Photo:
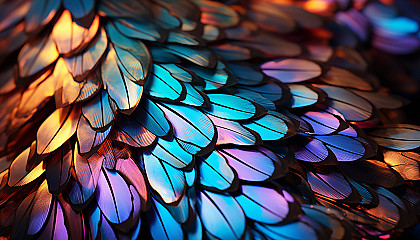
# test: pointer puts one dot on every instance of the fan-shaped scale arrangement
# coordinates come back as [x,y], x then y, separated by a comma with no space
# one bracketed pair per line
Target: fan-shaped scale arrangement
[177,119]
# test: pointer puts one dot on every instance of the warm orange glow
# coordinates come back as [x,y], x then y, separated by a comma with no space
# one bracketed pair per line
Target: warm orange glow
[36,94]
[281,2]
[229,17]
[321,33]
[70,36]
[36,55]
[316,6]
[18,173]
[57,129]
[67,90]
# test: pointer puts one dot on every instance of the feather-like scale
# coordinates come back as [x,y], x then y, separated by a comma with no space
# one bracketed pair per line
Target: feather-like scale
[162,225]
[113,196]
[263,205]
[221,215]
[231,132]
[57,171]
[57,129]
[397,136]
[215,172]
[253,165]
[40,13]
[168,181]
[120,88]
[194,139]
[291,70]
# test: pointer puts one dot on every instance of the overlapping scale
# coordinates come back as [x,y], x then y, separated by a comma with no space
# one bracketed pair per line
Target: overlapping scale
[254,165]
[39,211]
[343,147]
[67,89]
[330,218]
[338,147]
[181,211]
[82,64]
[215,172]
[161,223]
[397,136]
[302,96]
[36,94]
[197,55]
[70,37]
[382,100]
[184,119]
[194,97]
[168,181]
[271,17]
[88,138]
[190,177]
[231,132]
[214,78]
[91,86]
[353,107]
[80,8]
[57,129]
[323,123]
[164,18]
[375,172]
[251,126]
[138,29]
[113,196]
[116,78]
[386,214]
[221,215]
[130,131]
[263,205]
[19,175]
[246,73]
[106,229]
[133,55]
[218,14]
[344,78]
[58,168]
[272,91]
[87,171]
[56,228]
[40,14]
[272,126]
[332,185]
[232,108]
[36,55]
[170,152]
[256,97]
[294,230]
[232,52]
[163,86]
[291,70]
[405,163]
[195,229]
[98,111]
[129,169]
[152,117]
[189,18]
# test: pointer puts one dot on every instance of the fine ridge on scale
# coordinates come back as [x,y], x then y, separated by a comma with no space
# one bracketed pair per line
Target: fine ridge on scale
[199,119]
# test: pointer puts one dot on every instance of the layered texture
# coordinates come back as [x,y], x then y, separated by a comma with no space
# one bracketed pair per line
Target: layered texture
[179,119]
